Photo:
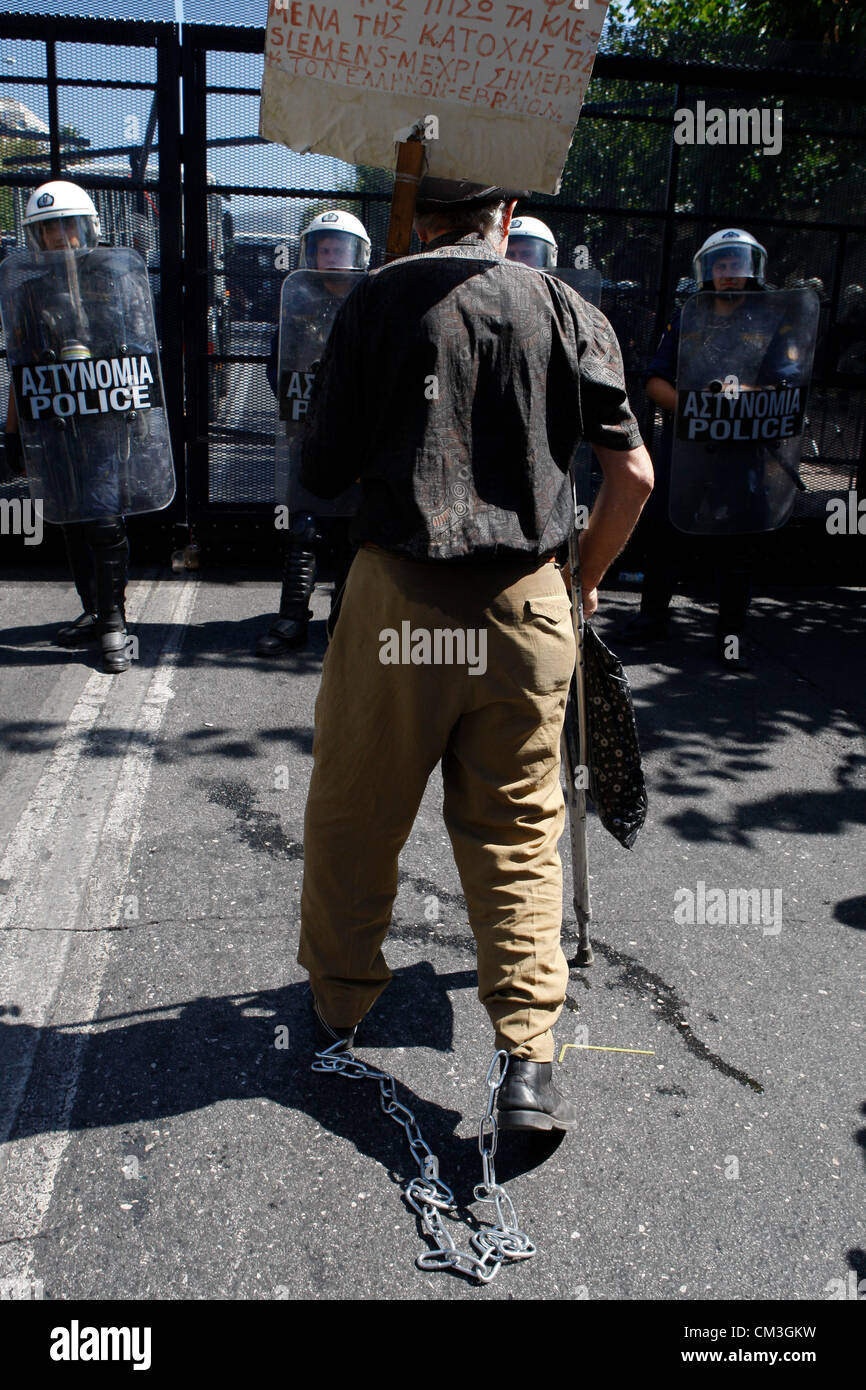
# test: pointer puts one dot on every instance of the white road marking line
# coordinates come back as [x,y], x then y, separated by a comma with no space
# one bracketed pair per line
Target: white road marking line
[20,863]
[29,1165]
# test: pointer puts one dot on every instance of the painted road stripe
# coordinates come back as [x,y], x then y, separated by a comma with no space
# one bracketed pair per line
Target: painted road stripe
[56,966]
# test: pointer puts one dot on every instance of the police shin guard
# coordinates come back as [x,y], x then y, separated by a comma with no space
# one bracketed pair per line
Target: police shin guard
[84,630]
[290,630]
[111,553]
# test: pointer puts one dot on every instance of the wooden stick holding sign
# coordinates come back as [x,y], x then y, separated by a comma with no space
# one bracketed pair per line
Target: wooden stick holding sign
[410,167]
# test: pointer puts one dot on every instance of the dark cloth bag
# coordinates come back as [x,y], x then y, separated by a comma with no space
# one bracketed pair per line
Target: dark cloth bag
[616,781]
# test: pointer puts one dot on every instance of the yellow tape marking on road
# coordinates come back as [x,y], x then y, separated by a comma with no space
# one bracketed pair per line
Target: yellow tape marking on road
[587,1047]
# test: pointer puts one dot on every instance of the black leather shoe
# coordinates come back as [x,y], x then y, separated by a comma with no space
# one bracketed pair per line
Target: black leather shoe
[80,633]
[326,1036]
[286,635]
[115,655]
[529,1100]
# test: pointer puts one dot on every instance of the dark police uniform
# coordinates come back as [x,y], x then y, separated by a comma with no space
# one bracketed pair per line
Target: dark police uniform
[731,556]
[299,565]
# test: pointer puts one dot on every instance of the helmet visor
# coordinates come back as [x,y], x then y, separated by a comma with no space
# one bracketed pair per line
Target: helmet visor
[531,250]
[722,264]
[327,250]
[74,233]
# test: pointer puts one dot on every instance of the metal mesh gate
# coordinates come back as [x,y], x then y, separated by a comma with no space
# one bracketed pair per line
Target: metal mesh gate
[100,102]
[268,194]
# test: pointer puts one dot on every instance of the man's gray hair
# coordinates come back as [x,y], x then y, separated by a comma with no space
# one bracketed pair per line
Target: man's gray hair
[485,218]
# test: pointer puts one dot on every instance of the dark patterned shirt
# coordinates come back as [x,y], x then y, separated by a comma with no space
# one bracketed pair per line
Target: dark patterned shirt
[457,385]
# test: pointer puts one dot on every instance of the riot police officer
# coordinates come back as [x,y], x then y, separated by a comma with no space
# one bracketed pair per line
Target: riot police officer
[87,391]
[335,241]
[720,494]
[531,242]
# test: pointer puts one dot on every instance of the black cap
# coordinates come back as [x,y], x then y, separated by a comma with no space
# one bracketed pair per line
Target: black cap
[437,195]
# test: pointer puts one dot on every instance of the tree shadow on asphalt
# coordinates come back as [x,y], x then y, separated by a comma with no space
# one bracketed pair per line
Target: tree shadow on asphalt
[851,912]
[106,740]
[109,741]
[230,644]
[144,1067]
[704,729]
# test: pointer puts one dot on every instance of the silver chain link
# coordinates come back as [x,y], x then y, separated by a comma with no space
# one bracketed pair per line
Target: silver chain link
[428,1195]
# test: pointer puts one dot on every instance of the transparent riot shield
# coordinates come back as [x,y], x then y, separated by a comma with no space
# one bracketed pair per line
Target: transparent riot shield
[308,306]
[586,282]
[743,374]
[84,359]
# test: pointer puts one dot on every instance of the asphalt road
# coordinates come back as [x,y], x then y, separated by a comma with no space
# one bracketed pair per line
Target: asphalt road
[156,1141]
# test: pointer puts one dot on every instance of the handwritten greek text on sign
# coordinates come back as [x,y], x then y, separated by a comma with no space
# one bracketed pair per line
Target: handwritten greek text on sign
[529,60]
[471,56]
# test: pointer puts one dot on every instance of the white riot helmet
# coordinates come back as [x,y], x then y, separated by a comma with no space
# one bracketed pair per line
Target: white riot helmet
[65,205]
[342,239]
[747,256]
[531,242]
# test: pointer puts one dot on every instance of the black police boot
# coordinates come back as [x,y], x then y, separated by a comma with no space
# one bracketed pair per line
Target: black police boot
[115,651]
[657,590]
[84,630]
[326,1036]
[80,633]
[290,630]
[285,635]
[528,1099]
[111,554]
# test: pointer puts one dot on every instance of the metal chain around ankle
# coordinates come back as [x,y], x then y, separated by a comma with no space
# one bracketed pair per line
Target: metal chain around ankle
[428,1195]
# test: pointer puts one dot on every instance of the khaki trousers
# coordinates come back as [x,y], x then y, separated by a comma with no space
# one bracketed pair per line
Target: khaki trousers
[380,730]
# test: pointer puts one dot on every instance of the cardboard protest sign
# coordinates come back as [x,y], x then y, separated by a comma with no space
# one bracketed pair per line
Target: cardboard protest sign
[499,86]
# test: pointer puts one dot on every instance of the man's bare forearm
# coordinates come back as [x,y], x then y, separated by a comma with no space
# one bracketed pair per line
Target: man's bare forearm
[628,482]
